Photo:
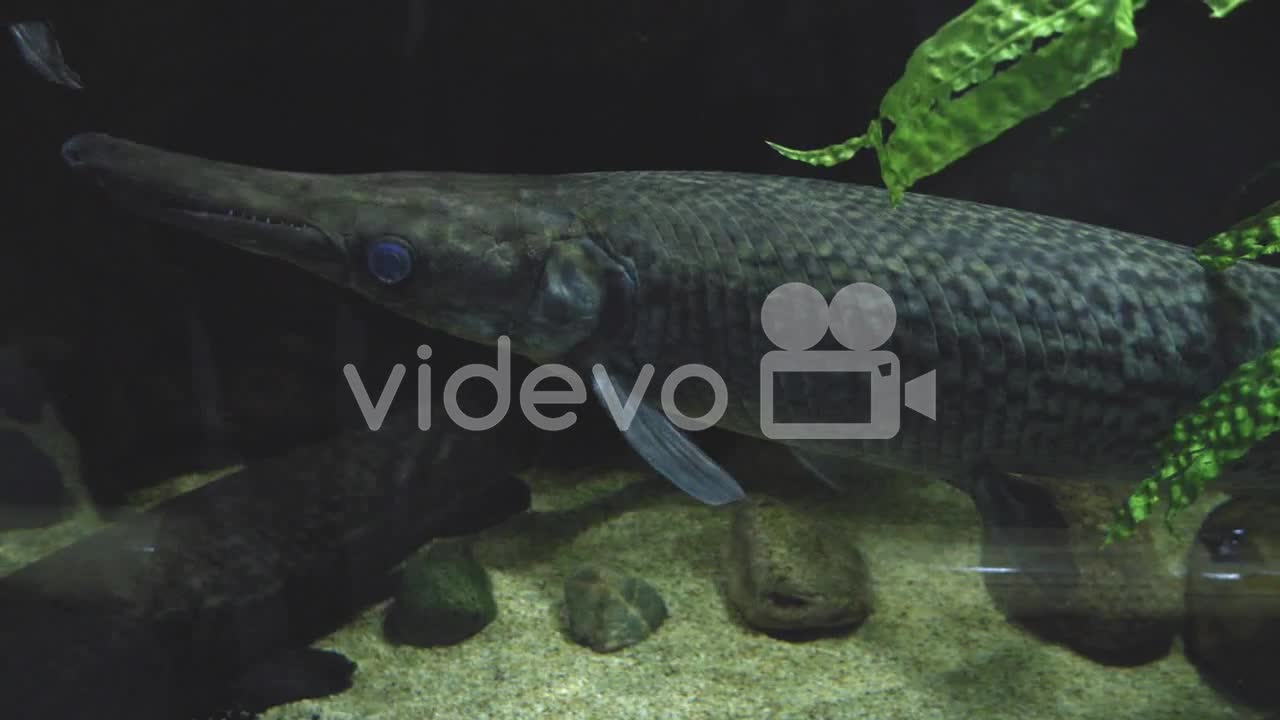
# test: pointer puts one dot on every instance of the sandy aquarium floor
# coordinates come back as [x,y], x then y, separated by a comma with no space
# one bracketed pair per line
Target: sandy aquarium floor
[935,646]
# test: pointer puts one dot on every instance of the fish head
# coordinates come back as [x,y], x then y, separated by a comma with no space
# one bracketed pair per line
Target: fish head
[481,257]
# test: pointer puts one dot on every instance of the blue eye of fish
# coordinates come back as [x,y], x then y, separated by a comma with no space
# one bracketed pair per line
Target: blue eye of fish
[389,260]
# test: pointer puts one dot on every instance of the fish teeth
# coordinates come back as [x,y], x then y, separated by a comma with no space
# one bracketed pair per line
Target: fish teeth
[264,219]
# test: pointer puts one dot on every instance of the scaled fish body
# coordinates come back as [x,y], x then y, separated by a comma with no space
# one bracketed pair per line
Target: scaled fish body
[1060,348]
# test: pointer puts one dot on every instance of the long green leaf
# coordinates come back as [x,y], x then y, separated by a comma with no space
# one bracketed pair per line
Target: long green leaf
[1248,240]
[951,98]
[1222,7]
[1227,423]
[1244,410]
[990,68]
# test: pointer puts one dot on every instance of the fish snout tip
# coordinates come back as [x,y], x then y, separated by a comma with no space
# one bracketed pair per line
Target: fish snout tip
[77,149]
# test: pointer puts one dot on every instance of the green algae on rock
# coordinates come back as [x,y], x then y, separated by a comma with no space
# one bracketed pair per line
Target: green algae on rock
[786,571]
[607,610]
[445,597]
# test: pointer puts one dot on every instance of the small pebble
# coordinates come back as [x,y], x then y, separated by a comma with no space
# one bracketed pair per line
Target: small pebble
[1233,600]
[787,571]
[445,597]
[606,610]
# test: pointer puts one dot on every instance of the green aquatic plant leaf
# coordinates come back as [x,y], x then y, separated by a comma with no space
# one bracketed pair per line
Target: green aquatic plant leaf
[985,71]
[838,153]
[1222,7]
[1226,424]
[953,96]
[1223,427]
[1249,239]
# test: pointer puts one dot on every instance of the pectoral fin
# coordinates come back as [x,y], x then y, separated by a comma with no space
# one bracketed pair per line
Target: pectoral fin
[667,450]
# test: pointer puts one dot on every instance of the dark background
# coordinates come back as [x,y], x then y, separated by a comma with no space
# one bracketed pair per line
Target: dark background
[1180,144]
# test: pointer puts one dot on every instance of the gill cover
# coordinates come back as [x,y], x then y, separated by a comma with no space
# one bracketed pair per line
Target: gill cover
[590,292]
[583,294]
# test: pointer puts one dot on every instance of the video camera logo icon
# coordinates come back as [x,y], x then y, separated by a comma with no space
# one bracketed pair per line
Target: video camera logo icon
[861,317]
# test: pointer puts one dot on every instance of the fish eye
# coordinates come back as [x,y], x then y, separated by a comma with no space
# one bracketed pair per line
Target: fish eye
[1225,547]
[389,260]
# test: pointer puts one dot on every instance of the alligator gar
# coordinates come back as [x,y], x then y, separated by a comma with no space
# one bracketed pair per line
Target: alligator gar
[169,614]
[1059,349]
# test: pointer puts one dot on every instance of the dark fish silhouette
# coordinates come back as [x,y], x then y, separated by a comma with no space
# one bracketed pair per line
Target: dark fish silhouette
[167,614]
